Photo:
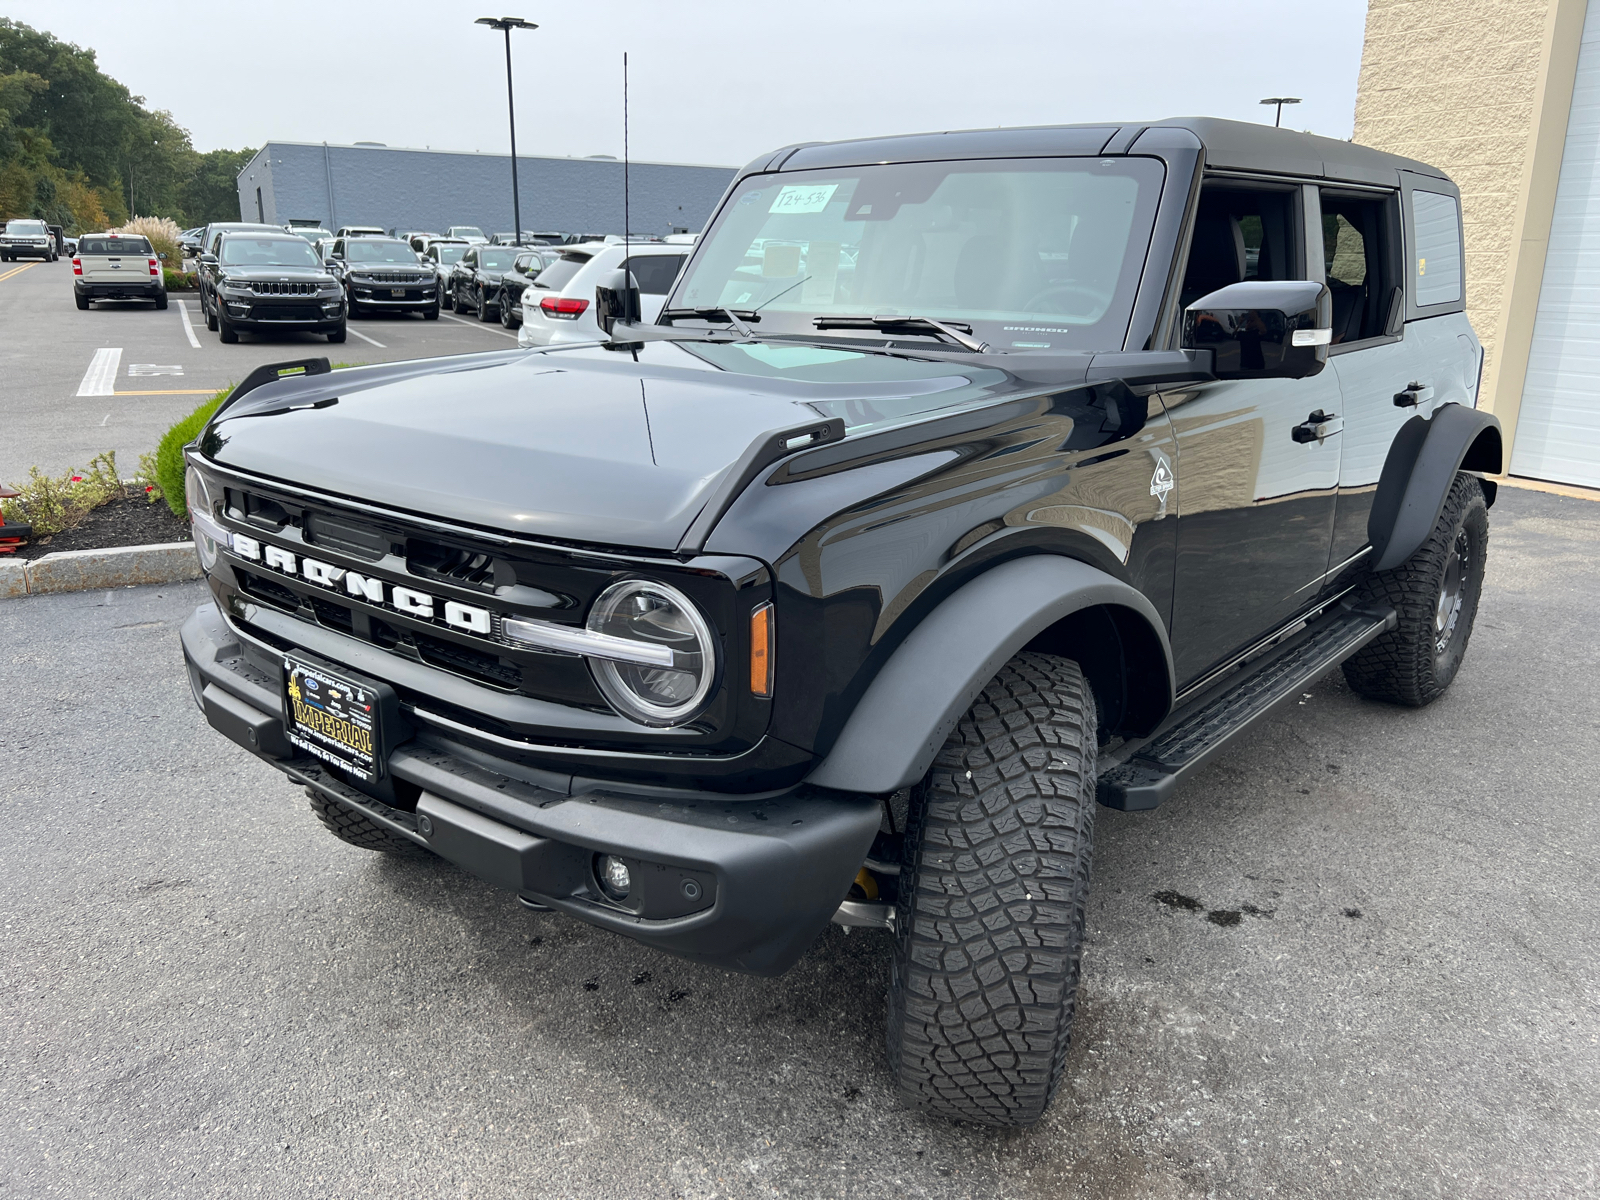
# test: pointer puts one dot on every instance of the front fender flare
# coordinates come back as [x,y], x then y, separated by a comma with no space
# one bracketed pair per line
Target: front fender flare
[1422,464]
[933,677]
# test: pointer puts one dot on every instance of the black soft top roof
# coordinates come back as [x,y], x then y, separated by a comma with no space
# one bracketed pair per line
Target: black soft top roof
[1229,145]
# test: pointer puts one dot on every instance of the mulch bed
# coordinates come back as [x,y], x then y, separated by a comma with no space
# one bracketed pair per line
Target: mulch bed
[133,521]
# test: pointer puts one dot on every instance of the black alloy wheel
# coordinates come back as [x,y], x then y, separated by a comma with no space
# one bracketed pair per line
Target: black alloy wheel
[211,316]
[508,319]
[483,305]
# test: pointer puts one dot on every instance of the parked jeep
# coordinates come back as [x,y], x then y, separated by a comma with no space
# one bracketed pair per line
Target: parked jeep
[964,480]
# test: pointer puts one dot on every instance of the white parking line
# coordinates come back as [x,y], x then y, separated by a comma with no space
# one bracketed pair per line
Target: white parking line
[188,329]
[365,338]
[101,377]
[479,325]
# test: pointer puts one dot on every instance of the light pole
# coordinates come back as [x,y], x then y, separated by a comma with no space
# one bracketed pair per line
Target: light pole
[507,24]
[1280,101]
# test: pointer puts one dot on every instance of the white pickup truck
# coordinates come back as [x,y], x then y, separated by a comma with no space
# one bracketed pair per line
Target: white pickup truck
[110,266]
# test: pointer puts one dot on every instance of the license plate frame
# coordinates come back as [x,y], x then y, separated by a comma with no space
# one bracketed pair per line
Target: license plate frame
[338,716]
[397,293]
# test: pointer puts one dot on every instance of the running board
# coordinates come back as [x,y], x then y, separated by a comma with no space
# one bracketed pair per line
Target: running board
[1151,773]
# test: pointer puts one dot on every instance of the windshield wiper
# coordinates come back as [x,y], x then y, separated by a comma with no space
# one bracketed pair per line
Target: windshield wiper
[951,331]
[716,312]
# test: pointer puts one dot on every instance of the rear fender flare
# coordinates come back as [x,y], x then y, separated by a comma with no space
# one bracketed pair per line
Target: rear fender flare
[909,709]
[1421,466]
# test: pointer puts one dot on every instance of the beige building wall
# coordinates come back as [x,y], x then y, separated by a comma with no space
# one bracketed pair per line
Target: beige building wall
[1481,88]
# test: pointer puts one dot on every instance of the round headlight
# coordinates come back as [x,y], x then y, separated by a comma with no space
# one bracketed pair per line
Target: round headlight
[197,495]
[644,611]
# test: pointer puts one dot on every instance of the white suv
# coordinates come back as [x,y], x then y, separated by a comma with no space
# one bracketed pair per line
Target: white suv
[25,236]
[558,306]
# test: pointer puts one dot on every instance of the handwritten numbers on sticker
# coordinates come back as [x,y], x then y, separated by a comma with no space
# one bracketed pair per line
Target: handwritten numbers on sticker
[798,198]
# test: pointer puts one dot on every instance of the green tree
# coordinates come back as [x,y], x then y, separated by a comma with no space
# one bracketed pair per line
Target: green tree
[212,190]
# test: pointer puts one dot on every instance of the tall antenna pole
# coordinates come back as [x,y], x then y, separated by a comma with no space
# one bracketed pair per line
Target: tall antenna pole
[627,225]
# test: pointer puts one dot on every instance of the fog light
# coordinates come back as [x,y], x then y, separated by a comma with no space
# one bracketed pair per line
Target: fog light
[614,878]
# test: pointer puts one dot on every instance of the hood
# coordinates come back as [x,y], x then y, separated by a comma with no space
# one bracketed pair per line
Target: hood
[588,446]
[256,274]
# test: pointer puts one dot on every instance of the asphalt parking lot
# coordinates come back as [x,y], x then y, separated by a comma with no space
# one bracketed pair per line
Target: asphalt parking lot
[165,364]
[1360,957]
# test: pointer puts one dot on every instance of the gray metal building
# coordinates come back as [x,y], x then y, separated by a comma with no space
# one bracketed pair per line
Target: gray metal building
[432,189]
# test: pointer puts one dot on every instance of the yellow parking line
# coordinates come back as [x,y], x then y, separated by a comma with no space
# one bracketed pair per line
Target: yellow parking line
[173,392]
[17,271]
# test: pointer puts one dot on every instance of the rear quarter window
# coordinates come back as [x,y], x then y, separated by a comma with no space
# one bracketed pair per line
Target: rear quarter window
[558,274]
[1436,248]
[655,272]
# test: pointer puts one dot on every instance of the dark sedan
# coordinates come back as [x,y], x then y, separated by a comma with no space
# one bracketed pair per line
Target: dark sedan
[508,300]
[274,282]
[383,274]
[475,280]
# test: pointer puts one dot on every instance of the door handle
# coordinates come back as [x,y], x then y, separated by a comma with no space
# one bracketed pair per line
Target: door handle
[1318,427]
[1413,395]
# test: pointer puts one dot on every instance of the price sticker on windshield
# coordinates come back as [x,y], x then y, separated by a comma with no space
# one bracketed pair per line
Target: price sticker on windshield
[803,198]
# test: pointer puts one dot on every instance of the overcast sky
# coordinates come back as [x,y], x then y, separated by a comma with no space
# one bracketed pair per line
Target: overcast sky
[710,82]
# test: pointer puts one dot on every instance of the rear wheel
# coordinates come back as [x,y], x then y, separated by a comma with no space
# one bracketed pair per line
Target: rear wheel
[508,319]
[161,301]
[990,915]
[360,830]
[1435,592]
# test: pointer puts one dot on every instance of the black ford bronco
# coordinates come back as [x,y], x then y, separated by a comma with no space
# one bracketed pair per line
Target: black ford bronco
[965,480]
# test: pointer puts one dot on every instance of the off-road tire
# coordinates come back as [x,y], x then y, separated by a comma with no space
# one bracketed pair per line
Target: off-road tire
[993,887]
[1407,665]
[360,830]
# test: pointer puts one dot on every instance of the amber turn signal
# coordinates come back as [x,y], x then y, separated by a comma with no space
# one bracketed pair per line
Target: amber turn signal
[761,651]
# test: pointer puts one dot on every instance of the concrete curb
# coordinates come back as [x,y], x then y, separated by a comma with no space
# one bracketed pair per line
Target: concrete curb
[87,570]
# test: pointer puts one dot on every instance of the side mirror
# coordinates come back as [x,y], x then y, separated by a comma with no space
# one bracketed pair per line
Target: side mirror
[1263,329]
[617,300]
[210,260]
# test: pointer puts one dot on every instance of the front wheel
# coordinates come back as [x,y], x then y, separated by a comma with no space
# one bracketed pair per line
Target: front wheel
[1435,592]
[483,307]
[447,299]
[431,314]
[225,330]
[337,335]
[993,888]
[211,317]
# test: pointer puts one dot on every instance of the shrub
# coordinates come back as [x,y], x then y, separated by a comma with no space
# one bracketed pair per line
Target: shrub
[161,473]
[51,505]
[178,280]
[163,233]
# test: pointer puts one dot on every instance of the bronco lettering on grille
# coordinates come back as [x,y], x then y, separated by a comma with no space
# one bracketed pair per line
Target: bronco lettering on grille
[466,617]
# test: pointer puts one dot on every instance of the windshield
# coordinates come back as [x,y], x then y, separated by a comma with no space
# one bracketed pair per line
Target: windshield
[1031,253]
[268,252]
[496,260]
[30,227]
[465,231]
[450,254]
[372,250]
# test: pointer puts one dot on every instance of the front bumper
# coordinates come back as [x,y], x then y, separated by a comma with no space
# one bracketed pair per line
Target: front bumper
[26,250]
[742,884]
[303,313]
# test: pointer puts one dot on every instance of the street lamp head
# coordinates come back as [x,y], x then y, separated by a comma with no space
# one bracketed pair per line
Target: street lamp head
[1281,100]
[506,23]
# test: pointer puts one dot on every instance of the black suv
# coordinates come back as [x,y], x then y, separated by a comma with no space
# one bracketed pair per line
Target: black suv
[475,279]
[382,274]
[272,282]
[966,480]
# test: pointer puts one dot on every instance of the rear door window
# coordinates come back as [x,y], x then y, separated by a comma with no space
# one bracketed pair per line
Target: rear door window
[1436,248]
